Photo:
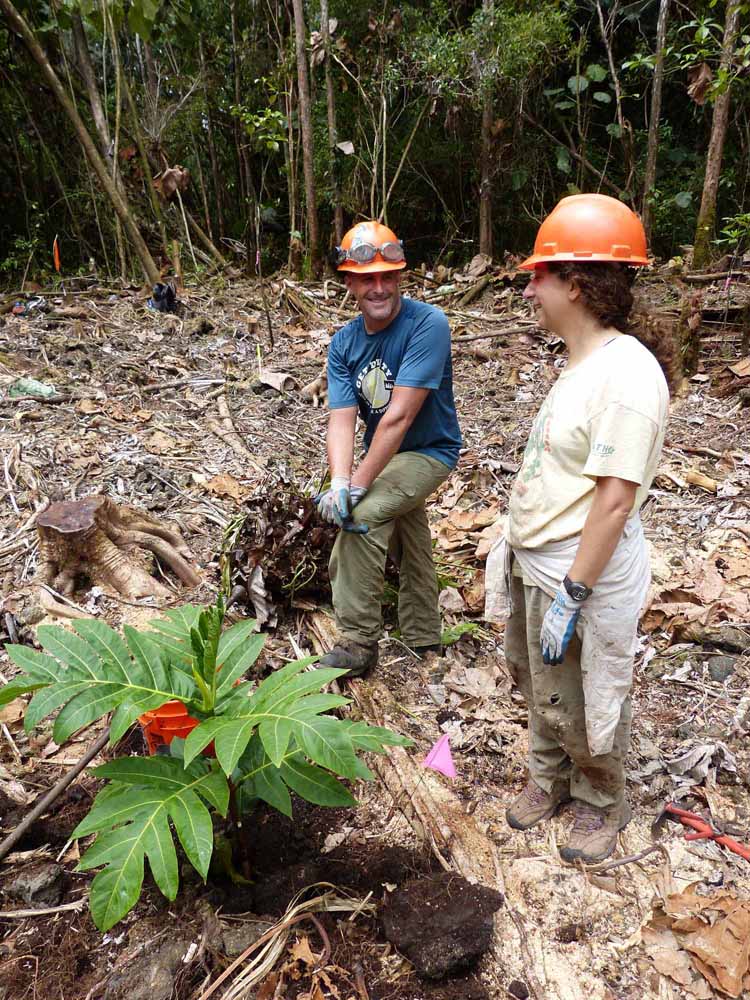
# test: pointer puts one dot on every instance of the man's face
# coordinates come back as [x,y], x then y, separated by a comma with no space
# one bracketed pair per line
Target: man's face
[377,296]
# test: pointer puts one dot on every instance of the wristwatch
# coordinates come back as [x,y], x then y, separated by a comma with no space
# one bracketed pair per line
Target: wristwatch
[578,591]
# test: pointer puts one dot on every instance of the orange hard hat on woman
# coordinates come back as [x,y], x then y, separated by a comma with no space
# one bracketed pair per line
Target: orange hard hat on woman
[369,247]
[589,227]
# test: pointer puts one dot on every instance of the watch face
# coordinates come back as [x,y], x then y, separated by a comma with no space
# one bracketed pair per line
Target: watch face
[578,591]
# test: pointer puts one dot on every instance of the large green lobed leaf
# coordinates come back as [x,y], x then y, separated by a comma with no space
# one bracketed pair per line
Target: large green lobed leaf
[131,818]
[92,671]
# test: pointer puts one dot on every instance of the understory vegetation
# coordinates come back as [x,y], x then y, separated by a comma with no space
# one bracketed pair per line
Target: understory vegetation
[460,124]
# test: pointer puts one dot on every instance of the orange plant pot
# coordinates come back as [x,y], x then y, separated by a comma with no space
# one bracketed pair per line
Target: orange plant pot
[161,725]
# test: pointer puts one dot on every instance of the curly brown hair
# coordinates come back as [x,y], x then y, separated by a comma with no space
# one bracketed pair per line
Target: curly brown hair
[607,292]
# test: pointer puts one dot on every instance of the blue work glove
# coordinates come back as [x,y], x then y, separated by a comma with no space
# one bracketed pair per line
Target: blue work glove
[336,504]
[558,626]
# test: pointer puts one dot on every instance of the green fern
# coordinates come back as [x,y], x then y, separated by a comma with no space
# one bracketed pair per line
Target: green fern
[271,739]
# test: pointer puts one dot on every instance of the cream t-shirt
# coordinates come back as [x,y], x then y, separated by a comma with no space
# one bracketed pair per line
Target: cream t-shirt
[605,417]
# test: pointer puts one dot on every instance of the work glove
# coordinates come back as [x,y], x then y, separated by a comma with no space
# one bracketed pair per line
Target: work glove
[558,626]
[335,504]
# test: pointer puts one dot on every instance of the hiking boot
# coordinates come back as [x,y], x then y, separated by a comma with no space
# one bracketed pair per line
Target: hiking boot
[593,836]
[355,657]
[534,805]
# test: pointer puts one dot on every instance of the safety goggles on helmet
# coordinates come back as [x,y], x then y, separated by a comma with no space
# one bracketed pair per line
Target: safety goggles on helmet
[363,253]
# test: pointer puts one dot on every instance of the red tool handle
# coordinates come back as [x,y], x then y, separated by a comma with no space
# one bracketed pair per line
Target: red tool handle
[704,830]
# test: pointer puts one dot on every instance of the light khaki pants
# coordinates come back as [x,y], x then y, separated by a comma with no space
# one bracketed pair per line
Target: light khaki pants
[393,510]
[558,747]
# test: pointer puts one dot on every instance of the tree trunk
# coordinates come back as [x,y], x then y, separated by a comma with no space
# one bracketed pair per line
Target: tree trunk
[291,159]
[608,30]
[202,185]
[205,240]
[485,182]
[704,230]
[89,78]
[338,211]
[145,166]
[19,25]
[152,77]
[303,84]
[649,178]
[96,539]
[485,167]
[110,27]
[216,176]
[246,183]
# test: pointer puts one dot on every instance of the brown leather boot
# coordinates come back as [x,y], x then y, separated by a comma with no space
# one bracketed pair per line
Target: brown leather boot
[534,805]
[593,836]
[355,657]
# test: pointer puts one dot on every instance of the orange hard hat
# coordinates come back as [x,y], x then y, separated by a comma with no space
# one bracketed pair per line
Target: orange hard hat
[369,247]
[589,227]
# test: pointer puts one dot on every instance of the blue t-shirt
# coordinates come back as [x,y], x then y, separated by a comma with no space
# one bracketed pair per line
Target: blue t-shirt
[414,350]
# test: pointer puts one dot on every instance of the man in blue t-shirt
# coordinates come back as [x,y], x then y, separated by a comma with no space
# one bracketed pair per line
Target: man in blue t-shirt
[392,367]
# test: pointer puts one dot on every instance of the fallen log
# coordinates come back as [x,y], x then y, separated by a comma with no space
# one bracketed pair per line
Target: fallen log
[227,432]
[475,291]
[509,331]
[45,801]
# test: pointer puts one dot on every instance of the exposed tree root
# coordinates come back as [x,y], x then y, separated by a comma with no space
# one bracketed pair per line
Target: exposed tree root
[97,540]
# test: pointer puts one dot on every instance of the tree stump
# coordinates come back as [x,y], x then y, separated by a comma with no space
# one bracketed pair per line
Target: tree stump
[95,540]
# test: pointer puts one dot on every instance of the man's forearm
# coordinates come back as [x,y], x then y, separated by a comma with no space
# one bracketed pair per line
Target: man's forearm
[340,442]
[602,532]
[385,443]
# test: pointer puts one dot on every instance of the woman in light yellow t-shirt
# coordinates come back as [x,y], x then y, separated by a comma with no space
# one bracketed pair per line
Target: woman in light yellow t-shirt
[579,570]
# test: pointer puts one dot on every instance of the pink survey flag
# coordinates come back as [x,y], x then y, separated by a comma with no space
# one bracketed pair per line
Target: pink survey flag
[439,758]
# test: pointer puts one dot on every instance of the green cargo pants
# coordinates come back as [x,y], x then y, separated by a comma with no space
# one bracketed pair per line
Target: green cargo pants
[558,747]
[393,510]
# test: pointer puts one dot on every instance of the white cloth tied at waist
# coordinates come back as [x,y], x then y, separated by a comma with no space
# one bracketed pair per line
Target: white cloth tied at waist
[607,625]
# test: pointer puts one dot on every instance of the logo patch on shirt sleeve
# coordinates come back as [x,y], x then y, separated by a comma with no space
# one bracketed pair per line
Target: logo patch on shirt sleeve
[602,450]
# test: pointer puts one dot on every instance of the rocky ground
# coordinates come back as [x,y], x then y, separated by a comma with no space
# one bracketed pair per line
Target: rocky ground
[175,415]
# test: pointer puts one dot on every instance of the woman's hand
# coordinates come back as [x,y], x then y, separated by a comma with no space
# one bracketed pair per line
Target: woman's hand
[558,626]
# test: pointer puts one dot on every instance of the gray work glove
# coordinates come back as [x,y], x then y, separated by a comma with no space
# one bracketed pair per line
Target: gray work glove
[335,504]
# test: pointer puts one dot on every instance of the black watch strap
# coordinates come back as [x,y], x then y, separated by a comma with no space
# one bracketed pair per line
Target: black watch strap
[578,591]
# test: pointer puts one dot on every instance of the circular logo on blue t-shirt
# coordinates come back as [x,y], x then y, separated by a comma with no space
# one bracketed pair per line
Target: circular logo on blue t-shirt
[375,385]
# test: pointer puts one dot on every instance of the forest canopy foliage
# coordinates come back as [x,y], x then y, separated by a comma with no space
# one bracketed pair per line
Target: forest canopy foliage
[461,123]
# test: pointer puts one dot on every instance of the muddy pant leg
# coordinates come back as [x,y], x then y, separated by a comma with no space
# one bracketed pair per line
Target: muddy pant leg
[418,613]
[559,700]
[548,762]
[601,780]
[357,571]
[357,565]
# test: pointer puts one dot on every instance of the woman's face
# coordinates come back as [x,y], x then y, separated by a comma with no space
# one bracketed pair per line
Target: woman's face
[550,297]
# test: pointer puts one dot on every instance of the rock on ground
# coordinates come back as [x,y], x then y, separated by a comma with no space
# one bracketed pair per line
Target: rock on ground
[151,975]
[39,884]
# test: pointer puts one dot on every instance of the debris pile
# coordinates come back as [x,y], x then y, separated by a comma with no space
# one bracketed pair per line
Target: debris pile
[277,552]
